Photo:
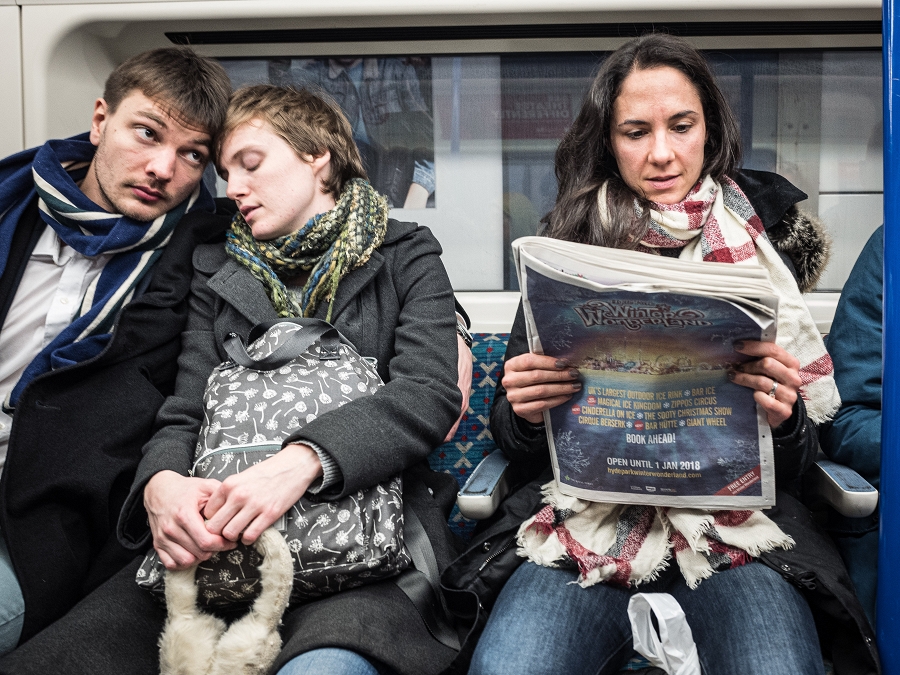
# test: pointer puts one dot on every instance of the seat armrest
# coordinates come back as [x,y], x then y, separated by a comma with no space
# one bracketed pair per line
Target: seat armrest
[842,488]
[485,489]
[837,485]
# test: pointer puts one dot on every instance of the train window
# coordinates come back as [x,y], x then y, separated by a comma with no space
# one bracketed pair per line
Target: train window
[465,144]
[814,116]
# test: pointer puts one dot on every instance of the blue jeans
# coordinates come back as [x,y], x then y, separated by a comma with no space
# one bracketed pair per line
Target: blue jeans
[332,661]
[12,606]
[746,620]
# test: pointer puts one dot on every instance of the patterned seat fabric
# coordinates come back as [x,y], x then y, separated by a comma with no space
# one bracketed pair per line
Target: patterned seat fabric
[473,441]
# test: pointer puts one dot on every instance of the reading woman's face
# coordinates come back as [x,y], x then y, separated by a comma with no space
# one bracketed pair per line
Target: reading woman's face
[276,190]
[658,132]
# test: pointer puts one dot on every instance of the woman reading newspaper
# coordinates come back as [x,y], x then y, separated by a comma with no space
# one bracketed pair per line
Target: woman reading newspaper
[650,164]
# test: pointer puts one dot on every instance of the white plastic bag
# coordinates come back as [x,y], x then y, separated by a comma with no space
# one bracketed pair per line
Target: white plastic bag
[673,649]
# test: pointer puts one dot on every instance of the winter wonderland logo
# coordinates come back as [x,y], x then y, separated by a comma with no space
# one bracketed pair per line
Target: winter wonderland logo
[634,317]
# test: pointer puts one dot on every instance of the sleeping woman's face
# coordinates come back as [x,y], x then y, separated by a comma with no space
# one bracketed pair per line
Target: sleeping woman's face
[276,190]
[658,132]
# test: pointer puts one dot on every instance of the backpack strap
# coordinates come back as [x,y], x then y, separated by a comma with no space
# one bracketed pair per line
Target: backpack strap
[313,330]
[421,584]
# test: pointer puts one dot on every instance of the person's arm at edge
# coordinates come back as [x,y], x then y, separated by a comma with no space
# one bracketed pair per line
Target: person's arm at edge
[855,342]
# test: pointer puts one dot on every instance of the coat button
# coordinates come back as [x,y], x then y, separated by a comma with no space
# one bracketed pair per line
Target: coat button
[785,568]
[486,547]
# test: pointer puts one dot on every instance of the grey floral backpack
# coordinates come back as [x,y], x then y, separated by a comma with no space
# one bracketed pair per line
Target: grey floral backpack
[293,371]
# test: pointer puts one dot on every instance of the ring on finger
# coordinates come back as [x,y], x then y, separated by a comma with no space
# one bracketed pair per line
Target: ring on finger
[773,389]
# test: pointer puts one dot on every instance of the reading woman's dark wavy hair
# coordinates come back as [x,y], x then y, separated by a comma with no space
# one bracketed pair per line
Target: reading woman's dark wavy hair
[584,159]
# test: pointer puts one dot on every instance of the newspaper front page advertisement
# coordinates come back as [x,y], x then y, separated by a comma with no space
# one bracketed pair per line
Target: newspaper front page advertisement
[657,420]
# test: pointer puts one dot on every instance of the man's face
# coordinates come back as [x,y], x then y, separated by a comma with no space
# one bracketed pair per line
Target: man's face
[147,162]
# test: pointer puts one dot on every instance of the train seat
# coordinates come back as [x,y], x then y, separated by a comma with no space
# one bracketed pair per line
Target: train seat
[473,443]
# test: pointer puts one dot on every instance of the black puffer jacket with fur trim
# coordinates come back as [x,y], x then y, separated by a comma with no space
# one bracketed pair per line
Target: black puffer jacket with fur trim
[813,565]
[801,239]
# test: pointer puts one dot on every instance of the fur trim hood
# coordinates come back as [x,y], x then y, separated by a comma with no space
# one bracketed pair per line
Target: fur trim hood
[806,243]
[801,239]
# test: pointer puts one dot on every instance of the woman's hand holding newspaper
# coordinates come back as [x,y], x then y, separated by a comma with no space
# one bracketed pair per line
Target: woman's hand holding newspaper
[537,383]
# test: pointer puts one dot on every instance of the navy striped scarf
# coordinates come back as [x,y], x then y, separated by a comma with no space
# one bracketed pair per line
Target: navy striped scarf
[52,172]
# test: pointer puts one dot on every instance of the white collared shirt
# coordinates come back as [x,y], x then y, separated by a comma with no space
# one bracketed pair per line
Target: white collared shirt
[49,294]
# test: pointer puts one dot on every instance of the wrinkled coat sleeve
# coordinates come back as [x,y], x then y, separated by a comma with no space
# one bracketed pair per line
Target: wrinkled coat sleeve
[795,442]
[525,444]
[854,438]
[375,437]
[795,445]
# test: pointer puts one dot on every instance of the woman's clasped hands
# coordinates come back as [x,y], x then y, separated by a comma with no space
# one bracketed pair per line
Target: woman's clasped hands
[192,518]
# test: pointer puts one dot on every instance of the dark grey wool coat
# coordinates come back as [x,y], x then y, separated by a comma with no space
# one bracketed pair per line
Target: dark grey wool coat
[398,308]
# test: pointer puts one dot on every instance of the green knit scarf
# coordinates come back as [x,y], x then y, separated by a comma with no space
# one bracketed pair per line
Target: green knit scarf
[331,245]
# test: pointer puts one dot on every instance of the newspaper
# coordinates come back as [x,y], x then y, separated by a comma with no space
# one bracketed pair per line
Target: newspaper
[657,420]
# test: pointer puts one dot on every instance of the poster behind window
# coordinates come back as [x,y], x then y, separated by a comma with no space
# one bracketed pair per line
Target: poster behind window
[388,103]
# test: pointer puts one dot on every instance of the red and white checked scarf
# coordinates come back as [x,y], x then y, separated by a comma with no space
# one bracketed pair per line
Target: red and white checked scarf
[638,542]
[714,223]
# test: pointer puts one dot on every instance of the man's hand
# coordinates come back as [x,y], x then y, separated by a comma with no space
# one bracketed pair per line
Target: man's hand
[245,504]
[174,504]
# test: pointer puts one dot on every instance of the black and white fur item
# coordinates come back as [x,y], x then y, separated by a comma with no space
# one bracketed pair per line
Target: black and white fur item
[194,642]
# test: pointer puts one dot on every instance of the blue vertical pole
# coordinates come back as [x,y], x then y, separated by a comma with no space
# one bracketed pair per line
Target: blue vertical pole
[888,608]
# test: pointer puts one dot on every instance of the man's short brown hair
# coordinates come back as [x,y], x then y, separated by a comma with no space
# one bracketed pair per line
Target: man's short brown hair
[309,123]
[191,88]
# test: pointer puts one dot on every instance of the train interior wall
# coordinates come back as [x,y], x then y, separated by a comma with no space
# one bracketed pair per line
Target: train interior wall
[499,84]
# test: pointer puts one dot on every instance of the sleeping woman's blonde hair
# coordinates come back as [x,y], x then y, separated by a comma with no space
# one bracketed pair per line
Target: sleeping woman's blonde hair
[310,123]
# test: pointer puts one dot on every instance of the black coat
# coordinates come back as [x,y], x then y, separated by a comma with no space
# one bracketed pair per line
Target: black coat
[76,442]
[813,564]
[398,308]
